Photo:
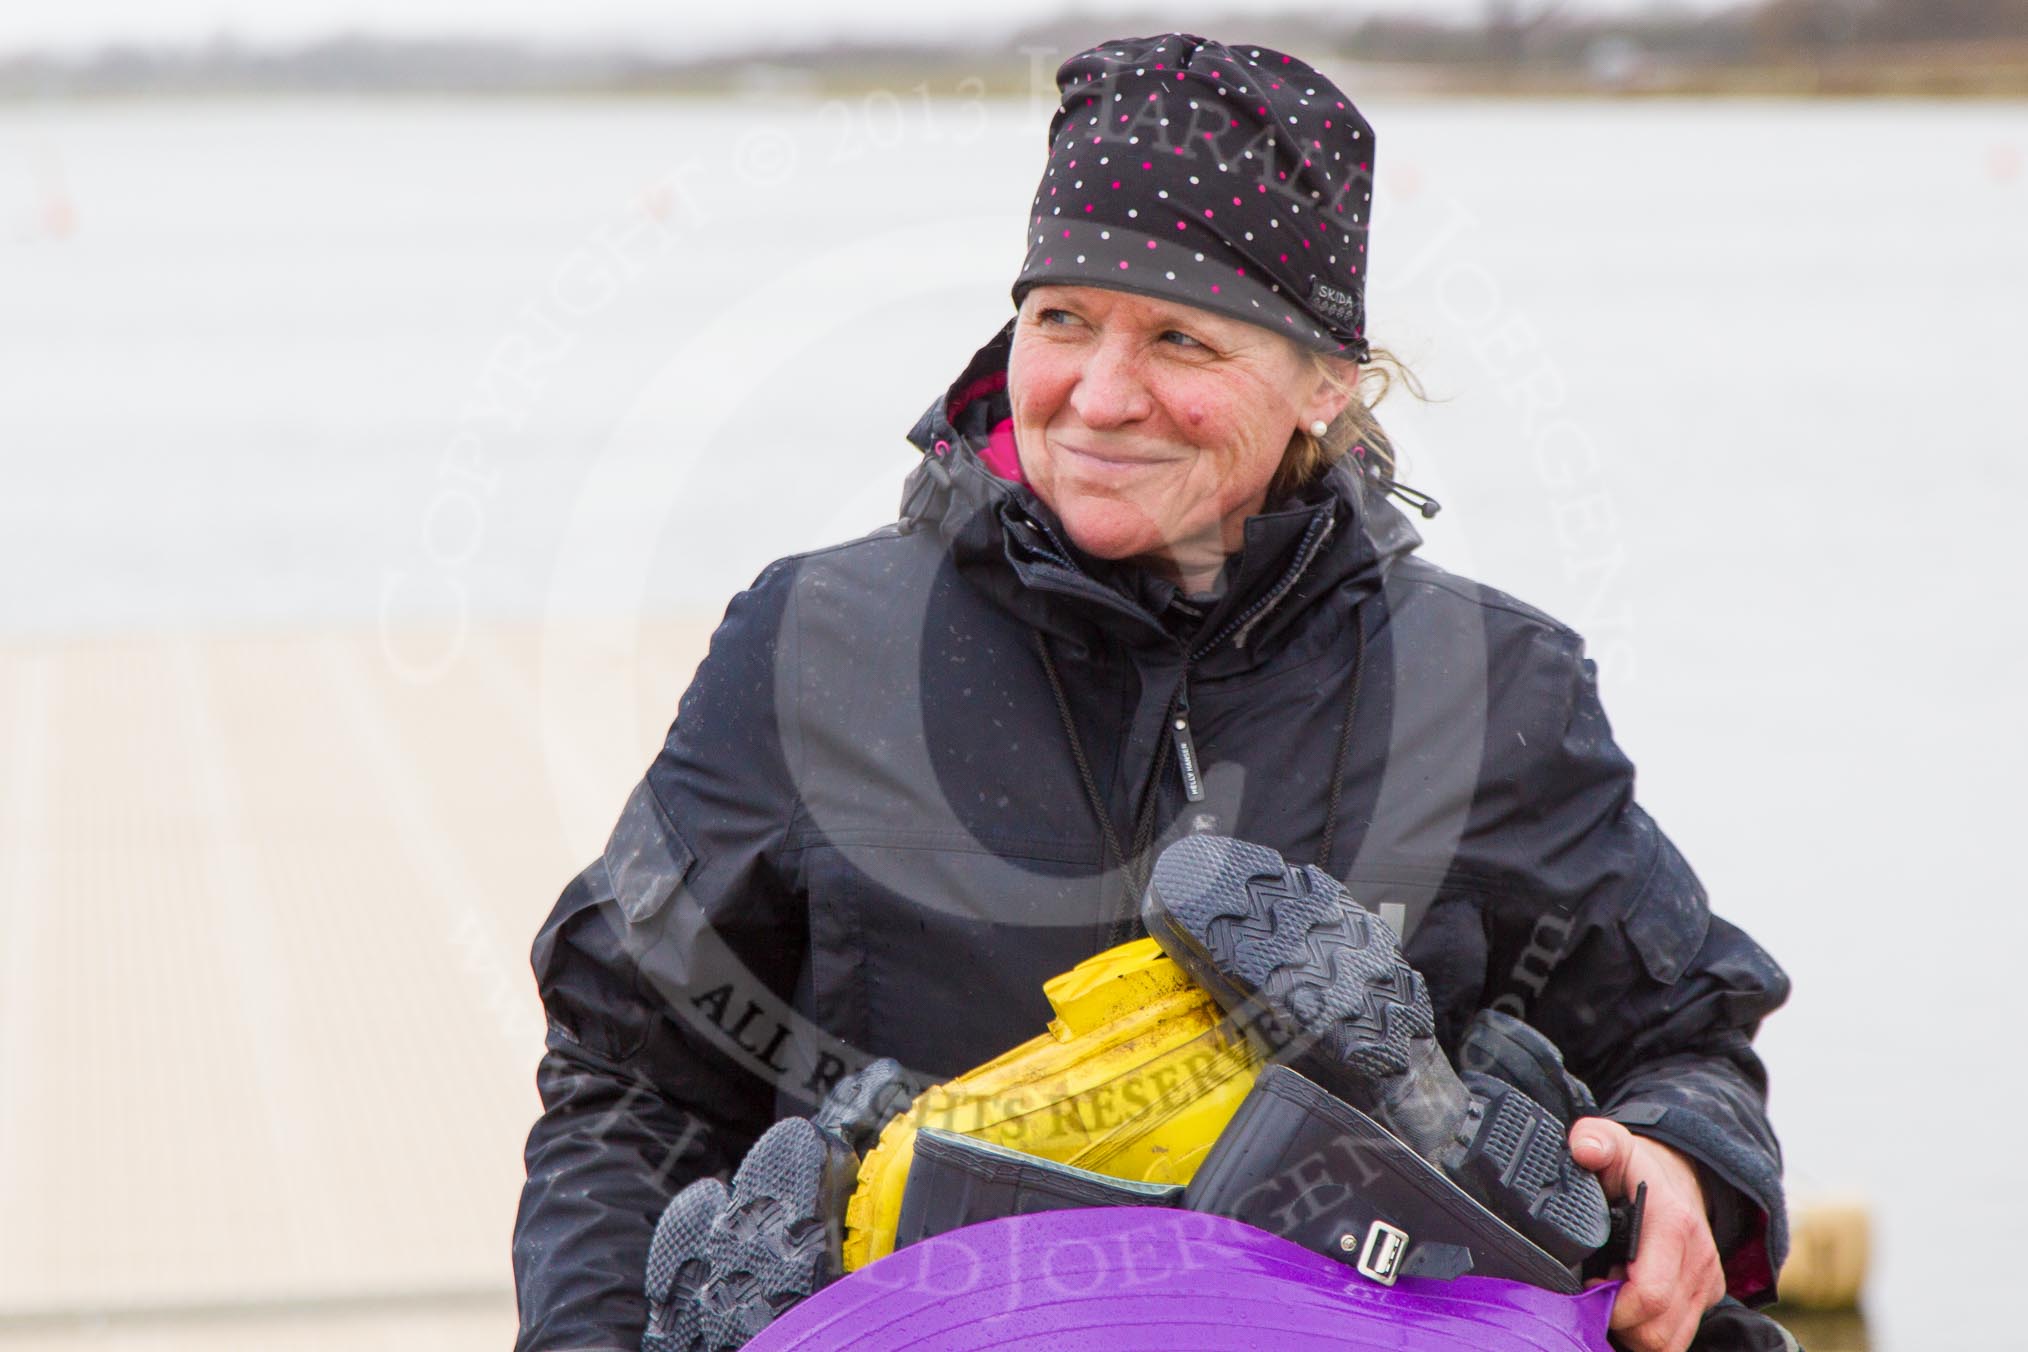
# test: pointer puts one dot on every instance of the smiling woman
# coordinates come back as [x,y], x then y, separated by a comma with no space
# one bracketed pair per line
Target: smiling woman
[1179,365]
[1147,596]
[1152,429]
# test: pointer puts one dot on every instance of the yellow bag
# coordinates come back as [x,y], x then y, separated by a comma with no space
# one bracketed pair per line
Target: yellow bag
[1136,1077]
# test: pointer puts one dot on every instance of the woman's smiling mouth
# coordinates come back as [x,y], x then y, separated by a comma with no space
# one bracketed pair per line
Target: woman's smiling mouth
[1107,461]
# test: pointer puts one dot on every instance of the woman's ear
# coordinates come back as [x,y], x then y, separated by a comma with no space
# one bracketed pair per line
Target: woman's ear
[1331,396]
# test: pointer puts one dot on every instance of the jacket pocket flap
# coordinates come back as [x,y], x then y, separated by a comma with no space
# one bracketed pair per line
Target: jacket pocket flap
[646,857]
[1668,920]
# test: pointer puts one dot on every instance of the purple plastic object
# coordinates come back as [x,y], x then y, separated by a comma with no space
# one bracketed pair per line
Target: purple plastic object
[1178,1281]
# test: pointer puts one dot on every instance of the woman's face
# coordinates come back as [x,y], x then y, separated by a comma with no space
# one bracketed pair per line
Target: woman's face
[1153,428]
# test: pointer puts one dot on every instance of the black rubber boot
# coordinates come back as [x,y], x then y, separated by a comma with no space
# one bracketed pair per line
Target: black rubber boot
[955,1181]
[1300,1162]
[1320,984]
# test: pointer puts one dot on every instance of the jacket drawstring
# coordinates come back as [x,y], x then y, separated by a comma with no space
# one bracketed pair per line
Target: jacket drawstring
[1134,867]
[1416,498]
[1344,742]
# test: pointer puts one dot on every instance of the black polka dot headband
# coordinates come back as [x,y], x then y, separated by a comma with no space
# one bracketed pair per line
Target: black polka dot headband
[1236,179]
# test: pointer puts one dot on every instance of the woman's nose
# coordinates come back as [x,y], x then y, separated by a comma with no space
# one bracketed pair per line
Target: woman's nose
[1109,391]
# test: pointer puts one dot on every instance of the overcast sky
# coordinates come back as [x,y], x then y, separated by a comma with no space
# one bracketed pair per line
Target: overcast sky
[683,24]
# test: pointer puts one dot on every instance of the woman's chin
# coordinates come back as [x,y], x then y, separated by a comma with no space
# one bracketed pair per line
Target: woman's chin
[1110,529]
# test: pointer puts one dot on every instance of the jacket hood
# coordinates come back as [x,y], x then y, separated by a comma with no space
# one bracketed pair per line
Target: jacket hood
[1337,535]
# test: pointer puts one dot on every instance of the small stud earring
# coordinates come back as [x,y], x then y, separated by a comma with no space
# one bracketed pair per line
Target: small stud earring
[1319,427]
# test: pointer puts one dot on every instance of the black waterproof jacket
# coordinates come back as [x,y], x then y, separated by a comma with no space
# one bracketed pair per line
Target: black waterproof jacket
[868,835]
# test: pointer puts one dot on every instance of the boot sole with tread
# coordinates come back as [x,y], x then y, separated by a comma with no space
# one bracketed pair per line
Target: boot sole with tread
[679,1266]
[1320,984]
[777,1241]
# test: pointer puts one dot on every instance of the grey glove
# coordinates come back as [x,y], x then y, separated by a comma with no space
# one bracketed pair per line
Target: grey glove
[724,1262]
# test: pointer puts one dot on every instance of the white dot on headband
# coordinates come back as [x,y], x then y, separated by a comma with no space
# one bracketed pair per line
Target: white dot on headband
[1080,258]
[1132,212]
[1200,258]
[1170,275]
[1105,234]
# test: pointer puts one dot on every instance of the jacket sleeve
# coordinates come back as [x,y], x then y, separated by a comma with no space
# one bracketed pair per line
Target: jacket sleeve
[644,967]
[1603,938]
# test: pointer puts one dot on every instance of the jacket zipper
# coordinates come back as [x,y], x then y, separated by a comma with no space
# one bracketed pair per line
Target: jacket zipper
[1184,742]
[1241,625]
[1179,713]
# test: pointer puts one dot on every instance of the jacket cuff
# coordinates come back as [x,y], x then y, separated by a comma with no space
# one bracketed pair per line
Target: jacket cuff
[1742,1194]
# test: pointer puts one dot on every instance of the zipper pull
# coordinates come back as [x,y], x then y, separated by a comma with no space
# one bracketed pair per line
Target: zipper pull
[1186,750]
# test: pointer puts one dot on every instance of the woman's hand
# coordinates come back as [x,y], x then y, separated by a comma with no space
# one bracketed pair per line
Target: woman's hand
[1676,1276]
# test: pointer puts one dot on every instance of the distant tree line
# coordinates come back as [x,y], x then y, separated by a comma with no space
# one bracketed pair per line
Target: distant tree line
[1512,32]
[1814,26]
[1507,36]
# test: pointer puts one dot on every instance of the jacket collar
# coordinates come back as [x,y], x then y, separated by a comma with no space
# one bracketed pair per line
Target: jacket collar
[1339,534]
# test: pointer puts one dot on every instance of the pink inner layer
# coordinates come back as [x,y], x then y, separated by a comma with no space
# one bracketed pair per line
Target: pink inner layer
[1000,453]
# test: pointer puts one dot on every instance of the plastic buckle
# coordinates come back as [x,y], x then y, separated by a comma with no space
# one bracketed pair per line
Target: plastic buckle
[1380,1257]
